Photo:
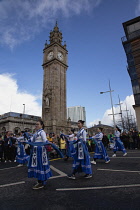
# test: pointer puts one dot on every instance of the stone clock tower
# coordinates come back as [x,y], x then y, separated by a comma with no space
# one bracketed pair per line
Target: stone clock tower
[55,66]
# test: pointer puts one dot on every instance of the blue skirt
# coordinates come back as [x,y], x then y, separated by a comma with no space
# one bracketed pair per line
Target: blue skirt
[38,165]
[70,150]
[100,151]
[119,145]
[82,165]
[21,156]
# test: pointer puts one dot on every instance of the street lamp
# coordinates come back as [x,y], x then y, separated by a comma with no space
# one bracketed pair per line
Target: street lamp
[24,109]
[23,114]
[110,91]
[121,112]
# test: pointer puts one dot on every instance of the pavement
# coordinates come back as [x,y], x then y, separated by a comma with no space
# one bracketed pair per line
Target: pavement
[114,186]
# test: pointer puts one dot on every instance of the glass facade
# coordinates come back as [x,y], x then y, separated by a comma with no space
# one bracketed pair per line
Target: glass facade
[133,27]
[76,113]
[132,49]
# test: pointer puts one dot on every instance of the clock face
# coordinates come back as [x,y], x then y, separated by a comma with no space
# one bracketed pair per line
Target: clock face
[60,56]
[50,55]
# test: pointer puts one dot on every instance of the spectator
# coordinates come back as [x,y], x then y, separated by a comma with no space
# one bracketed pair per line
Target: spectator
[105,141]
[6,147]
[1,148]
[63,146]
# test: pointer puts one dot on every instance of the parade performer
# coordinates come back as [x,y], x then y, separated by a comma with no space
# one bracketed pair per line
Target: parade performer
[118,143]
[100,151]
[38,165]
[69,144]
[81,162]
[21,156]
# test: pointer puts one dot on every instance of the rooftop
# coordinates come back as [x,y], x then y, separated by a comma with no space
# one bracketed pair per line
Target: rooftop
[19,115]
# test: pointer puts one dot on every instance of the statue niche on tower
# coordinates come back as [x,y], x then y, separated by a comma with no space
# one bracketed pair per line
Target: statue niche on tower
[46,98]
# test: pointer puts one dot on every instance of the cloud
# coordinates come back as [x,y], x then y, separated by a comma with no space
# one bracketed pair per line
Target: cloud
[108,119]
[21,20]
[12,99]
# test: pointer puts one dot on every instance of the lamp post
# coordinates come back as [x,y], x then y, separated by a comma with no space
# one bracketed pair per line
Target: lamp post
[121,112]
[23,114]
[110,91]
[24,109]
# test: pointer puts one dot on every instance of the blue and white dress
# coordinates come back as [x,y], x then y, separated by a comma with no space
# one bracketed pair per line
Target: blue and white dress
[38,166]
[69,145]
[81,162]
[119,146]
[100,151]
[21,156]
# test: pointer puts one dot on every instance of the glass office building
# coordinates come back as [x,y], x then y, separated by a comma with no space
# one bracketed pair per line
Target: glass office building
[76,113]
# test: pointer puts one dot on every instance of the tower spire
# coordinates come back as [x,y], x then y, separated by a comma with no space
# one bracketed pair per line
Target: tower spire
[56,24]
[56,35]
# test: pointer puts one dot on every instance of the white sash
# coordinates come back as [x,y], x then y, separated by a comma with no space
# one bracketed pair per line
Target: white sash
[80,151]
[34,157]
[44,156]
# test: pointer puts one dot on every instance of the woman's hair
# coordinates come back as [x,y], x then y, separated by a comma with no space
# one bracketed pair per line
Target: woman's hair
[81,121]
[118,129]
[72,130]
[101,129]
[41,123]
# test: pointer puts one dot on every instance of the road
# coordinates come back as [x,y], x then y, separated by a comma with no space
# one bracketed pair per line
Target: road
[113,186]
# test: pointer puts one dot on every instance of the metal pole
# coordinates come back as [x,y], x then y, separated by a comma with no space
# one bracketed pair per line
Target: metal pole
[128,119]
[23,114]
[121,113]
[112,106]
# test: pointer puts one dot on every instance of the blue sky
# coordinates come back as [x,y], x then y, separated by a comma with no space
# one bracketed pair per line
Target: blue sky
[92,30]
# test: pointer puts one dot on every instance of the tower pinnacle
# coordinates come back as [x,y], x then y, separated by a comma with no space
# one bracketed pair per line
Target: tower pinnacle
[56,35]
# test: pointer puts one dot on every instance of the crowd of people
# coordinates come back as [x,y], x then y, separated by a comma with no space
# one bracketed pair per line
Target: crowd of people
[9,143]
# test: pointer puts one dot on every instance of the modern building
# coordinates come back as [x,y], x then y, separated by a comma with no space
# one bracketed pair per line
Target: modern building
[131,44]
[17,122]
[76,113]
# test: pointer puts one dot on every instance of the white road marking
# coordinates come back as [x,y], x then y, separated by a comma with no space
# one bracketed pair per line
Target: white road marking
[55,177]
[2,169]
[123,157]
[16,183]
[98,188]
[58,171]
[100,169]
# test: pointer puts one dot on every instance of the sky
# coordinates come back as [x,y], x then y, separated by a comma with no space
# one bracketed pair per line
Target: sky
[92,30]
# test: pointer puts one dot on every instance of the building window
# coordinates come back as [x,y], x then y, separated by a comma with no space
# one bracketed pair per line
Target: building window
[133,27]
[127,48]
[17,130]
[132,72]
[136,87]
[130,59]
[137,99]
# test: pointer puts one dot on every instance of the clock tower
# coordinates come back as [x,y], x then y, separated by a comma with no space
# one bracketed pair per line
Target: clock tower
[55,66]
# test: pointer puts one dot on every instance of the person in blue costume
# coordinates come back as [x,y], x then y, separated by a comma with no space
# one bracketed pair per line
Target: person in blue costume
[69,144]
[118,143]
[81,162]
[100,151]
[38,165]
[21,156]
